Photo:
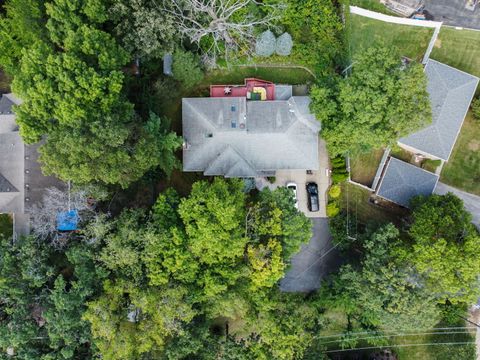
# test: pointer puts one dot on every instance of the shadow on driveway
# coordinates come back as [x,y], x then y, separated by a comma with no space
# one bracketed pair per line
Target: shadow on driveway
[313,262]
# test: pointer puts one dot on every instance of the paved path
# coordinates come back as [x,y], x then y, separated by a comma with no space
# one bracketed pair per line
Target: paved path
[471,202]
[313,262]
[453,12]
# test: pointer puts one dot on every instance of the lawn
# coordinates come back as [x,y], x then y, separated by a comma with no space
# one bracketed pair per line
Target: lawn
[412,41]
[363,211]
[373,5]
[5,225]
[458,48]
[463,169]
[363,166]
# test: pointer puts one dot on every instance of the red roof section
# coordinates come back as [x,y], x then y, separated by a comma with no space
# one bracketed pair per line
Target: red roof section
[241,90]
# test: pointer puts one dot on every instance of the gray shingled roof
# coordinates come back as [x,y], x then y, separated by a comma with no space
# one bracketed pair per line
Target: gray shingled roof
[234,137]
[401,181]
[451,92]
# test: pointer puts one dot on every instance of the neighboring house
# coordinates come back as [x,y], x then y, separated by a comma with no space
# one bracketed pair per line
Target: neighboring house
[21,180]
[12,154]
[401,181]
[249,130]
[404,7]
[451,91]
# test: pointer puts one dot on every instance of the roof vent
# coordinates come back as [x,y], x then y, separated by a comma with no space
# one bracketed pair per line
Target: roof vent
[209,135]
[233,108]
[234,124]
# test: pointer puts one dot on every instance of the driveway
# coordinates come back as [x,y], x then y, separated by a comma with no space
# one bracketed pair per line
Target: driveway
[313,262]
[471,202]
[301,178]
[453,12]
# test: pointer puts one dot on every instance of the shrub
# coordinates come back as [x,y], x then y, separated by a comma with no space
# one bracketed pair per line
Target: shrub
[332,209]
[284,44]
[186,68]
[476,108]
[334,191]
[339,177]
[430,164]
[265,44]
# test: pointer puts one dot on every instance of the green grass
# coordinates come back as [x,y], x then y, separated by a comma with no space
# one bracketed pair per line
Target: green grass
[364,166]
[373,5]
[412,41]
[463,168]
[363,211]
[401,154]
[6,225]
[458,48]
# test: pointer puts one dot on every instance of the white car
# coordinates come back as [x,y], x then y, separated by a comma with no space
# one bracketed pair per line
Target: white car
[292,186]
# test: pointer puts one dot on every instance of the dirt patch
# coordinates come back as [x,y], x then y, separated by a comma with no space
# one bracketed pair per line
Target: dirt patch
[438,43]
[474,145]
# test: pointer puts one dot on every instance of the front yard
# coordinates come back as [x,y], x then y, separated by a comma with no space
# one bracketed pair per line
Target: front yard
[412,41]
[463,169]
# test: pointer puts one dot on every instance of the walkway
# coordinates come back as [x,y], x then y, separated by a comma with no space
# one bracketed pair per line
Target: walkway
[471,202]
[313,262]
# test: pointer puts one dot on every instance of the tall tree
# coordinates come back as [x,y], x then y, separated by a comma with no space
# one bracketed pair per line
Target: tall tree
[69,76]
[382,100]
[445,245]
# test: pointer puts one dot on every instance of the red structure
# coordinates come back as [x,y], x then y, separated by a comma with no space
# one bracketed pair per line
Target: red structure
[243,90]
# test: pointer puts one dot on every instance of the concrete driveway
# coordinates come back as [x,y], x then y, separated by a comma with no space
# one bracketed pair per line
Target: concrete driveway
[453,12]
[313,262]
[301,178]
[471,202]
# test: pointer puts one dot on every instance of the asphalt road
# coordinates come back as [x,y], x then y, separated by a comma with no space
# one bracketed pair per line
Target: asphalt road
[453,12]
[313,262]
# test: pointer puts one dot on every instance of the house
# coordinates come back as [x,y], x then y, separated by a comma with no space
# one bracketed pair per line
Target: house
[402,181]
[451,91]
[21,180]
[249,130]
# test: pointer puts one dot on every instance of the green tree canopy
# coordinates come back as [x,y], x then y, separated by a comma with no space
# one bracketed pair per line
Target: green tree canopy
[382,100]
[445,245]
[69,76]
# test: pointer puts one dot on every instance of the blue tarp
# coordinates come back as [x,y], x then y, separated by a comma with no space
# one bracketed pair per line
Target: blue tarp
[67,220]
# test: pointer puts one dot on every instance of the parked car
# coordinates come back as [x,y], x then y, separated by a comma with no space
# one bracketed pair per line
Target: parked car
[312,194]
[292,186]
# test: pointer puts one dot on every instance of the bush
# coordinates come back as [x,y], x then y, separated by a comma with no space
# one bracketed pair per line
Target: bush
[476,108]
[271,179]
[265,44]
[334,192]
[186,68]
[332,209]
[339,177]
[431,165]
[284,44]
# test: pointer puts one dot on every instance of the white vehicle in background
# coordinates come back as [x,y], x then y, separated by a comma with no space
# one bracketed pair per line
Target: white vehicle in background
[292,186]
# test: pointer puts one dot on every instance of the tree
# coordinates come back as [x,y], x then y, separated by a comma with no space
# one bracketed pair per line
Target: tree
[444,247]
[318,39]
[284,44]
[382,100]
[185,68]
[143,28]
[265,44]
[219,26]
[70,79]
[383,292]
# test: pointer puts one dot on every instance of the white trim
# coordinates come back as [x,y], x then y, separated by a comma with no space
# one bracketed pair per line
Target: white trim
[394,19]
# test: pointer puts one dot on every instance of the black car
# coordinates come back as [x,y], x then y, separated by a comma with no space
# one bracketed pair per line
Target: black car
[312,192]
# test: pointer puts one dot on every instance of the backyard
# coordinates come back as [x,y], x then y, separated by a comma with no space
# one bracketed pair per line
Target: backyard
[463,169]
[364,32]
[364,165]
[458,48]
